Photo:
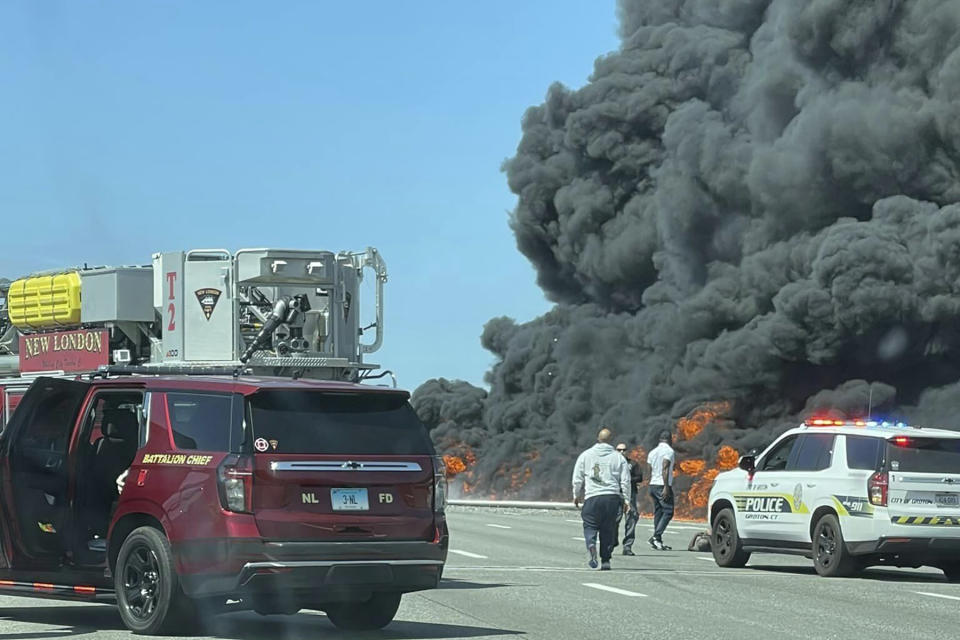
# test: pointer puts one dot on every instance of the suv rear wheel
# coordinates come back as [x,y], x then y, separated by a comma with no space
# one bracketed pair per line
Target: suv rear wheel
[148,587]
[951,571]
[725,541]
[375,613]
[830,555]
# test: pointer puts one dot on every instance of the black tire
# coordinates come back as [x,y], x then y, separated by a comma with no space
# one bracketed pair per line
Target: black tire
[267,605]
[725,541]
[831,558]
[375,613]
[149,596]
[951,571]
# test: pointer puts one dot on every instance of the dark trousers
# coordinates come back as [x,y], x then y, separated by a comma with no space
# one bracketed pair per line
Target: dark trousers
[630,529]
[662,510]
[599,516]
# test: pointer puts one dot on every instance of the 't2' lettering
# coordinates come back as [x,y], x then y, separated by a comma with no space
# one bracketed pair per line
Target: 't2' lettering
[172,308]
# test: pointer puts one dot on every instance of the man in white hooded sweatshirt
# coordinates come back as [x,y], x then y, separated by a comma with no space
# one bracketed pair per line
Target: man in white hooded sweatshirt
[601,480]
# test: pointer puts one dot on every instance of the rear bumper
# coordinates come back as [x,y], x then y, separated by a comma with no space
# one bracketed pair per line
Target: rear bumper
[919,548]
[314,570]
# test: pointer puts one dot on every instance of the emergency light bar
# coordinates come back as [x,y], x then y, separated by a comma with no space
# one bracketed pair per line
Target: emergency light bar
[825,422]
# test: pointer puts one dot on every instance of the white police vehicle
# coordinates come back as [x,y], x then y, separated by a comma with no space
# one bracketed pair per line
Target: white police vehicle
[848,494]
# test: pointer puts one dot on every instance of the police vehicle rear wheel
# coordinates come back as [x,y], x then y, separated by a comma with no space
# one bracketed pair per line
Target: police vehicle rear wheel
[147,585]
[375,613]
[725,541]
[830,555]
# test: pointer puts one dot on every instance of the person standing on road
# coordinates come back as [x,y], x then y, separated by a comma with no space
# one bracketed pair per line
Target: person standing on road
[661,461]
[633,515]
[601,481]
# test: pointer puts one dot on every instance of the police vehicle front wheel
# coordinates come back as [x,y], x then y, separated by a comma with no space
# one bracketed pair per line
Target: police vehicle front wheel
[147,586]
[830,555]
[725,541]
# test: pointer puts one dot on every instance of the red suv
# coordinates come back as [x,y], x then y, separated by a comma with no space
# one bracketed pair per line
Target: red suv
[275,494]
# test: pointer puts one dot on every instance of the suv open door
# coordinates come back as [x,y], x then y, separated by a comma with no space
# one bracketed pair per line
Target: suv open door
[33,464]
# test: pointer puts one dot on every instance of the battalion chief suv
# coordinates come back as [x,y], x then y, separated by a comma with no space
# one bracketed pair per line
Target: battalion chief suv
[848,494]
[280,494]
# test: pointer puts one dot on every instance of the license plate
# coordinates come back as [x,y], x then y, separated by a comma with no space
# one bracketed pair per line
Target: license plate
[948,499]
[349,500]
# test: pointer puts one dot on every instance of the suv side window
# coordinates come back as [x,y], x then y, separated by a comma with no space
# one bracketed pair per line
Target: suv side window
[200,421]
[815,452]
[864,452]
[778,457]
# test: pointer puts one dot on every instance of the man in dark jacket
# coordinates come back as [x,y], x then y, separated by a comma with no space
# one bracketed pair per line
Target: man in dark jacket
[636,479]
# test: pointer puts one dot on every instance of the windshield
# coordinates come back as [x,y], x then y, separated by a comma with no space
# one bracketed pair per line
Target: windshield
[347,424]
[924,455]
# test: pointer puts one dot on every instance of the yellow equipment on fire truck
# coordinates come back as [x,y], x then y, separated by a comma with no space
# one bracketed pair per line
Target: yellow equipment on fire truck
[256,311]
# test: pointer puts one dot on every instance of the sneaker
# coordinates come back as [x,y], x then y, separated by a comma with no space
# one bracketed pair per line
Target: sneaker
[593,556]
[664,547]
[628,552]
[605,566]
[656,544]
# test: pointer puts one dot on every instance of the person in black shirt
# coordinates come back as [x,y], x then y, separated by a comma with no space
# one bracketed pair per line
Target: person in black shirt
[636,479]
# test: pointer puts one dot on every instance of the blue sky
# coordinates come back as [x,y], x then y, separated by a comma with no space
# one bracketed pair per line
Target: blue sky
[135,127]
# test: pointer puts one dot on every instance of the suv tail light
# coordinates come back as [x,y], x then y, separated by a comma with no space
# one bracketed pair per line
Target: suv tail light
[235,482]
[877,488]
[439,484]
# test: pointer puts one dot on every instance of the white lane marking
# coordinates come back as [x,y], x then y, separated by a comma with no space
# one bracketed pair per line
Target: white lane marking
[575,521]
[622,592]
[468,554]
[707,558]
[580,538]
[499,526]
[937,595]
[720,573]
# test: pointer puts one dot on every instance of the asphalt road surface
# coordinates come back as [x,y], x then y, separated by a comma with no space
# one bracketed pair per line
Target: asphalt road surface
[524,574]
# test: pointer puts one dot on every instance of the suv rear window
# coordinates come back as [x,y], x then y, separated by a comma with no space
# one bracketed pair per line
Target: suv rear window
[925,455]
[864,452]
[340,424]
[200,422]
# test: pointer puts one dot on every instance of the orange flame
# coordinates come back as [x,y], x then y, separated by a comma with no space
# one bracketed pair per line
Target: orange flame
[691,425]
[454,465]
[699,493]
[727,458]
[692,467]
[694,473]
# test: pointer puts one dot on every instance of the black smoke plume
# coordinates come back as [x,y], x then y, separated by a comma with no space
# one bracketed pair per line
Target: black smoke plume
[751,206]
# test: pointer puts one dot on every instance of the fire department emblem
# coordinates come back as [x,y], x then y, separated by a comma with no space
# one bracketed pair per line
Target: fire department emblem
[208,300]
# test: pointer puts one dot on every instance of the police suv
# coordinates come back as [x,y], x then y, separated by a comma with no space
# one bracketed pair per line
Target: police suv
[848,494]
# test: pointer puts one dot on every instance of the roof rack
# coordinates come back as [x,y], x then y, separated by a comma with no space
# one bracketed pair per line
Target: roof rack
[161,370]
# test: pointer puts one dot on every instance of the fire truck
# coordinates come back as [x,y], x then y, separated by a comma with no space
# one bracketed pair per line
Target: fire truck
[194,436]
[276,312]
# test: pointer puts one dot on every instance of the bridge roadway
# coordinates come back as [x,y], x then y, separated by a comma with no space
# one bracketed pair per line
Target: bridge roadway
[519,573]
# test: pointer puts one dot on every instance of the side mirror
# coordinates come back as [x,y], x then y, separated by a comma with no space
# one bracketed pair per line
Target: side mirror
[748,464]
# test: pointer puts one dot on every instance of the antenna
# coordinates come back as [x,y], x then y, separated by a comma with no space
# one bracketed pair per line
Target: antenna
[870,403]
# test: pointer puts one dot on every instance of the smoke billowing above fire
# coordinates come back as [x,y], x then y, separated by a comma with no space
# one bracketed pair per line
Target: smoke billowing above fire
[747,216]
